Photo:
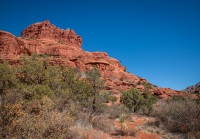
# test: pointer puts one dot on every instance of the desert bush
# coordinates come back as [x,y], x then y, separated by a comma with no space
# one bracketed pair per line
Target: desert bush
[179,116]
[113,98]
[7,82]
[9,119]
[43,101]
[135,101]
[47,104]
[55,80]
[33,70]
[31,92]
[115,110]
[107,97]
[9,110]
[123,130]
[177,98]
[7,78]
[100,122]
[149,100]
[35,119]
[46,125]
[132,99]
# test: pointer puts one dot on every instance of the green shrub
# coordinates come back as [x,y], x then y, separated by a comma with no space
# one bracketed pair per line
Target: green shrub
[113,98]
[36,92]
[93,77]
[55,78]
[138,102]
[177,98]
[33,70]
[149,100]
[107,97]
[7,78]
[132,99]
[45,101]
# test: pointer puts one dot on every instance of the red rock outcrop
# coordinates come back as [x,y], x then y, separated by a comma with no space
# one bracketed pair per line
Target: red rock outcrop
[64,48]
[46,30]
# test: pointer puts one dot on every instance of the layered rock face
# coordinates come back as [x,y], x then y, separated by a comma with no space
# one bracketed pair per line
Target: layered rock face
[8,43]
[64,48]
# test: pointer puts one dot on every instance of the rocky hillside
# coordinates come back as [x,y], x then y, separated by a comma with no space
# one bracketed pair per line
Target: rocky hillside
[63,47]
[195,89]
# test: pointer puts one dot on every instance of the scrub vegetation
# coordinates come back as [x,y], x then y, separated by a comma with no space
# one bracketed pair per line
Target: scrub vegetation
[38,100]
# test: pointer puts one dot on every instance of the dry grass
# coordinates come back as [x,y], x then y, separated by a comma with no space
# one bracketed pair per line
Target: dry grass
[102,123]
[151,127]
[46,125]
[115,110]
[122,132]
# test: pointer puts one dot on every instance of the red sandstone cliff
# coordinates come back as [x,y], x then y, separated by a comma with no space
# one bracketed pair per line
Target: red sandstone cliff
[64,48]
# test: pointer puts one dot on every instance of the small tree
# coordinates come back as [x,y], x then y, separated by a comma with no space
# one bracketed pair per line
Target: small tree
[71,77]
[97,84]
[149,99]
[35,76]
[75,88]
[33,70]
[132,99]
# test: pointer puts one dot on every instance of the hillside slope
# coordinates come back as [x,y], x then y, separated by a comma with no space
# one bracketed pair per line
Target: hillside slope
[63,47]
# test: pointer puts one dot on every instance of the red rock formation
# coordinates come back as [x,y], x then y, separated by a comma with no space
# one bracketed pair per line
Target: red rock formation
[64,48]
[45,30]
[8,43]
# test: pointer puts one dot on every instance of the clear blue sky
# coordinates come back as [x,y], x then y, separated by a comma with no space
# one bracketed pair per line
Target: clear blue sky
[155,39]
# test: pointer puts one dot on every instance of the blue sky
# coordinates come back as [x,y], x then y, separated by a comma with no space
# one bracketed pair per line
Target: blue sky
[155,39]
